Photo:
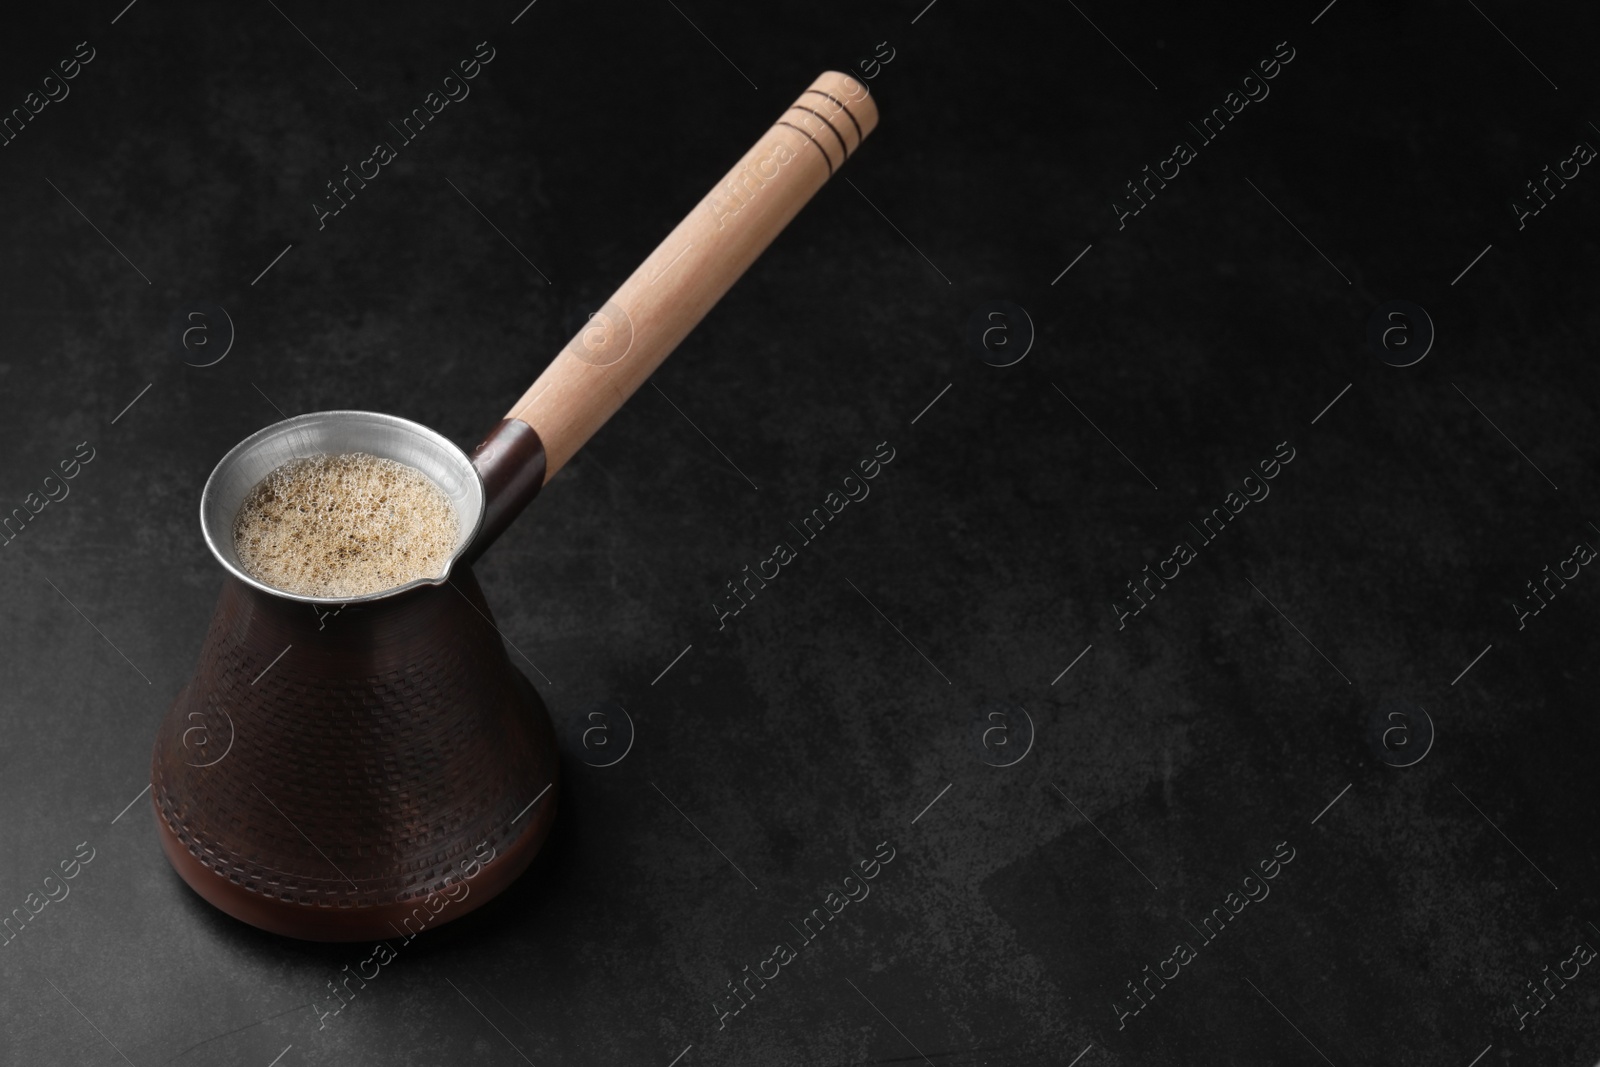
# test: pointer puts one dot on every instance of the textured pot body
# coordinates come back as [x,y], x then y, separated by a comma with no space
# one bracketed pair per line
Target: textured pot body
[350,774]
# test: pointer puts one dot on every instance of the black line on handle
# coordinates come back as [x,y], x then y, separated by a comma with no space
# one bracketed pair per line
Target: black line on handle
[813,140]
[860,136]
[842,146]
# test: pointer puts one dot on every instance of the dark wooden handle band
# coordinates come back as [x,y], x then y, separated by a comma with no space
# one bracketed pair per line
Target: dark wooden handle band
[511,462]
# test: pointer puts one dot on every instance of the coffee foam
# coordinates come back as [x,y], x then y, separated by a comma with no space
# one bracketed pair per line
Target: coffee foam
[344,526]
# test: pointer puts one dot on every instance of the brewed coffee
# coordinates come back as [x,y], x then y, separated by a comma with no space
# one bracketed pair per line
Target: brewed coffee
[345,525]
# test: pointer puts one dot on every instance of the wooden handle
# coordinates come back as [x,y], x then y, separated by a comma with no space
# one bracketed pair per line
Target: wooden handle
[626,340]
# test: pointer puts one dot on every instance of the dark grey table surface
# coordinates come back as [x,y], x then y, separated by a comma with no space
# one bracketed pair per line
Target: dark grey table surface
[1343,676]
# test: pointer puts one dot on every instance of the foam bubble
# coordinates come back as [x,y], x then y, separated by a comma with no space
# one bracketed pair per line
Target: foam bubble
[344,526]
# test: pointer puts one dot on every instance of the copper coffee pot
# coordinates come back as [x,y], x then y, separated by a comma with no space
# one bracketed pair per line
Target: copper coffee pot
[350,770]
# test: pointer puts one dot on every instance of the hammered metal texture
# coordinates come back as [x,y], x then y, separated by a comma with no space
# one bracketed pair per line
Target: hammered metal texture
[351,760]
